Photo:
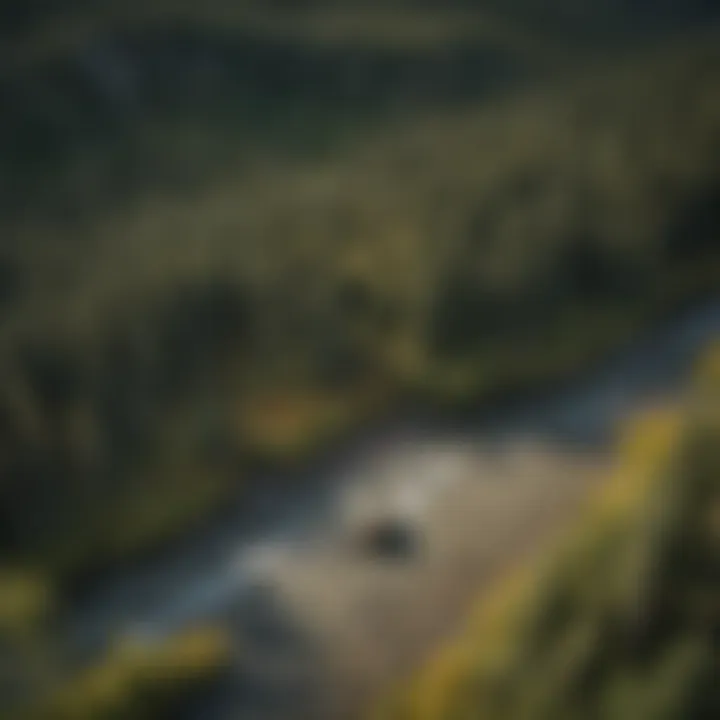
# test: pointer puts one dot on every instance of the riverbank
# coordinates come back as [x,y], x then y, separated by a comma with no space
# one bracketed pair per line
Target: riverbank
[304,563]
[617,620]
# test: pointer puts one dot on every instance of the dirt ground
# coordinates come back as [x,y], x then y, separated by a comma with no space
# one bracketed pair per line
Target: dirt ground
[370,620]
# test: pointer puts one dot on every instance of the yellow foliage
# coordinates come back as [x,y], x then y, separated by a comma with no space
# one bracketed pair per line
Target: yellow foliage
[440,681]
[133,676]
[190,656]
[287,425]
[646,445]
[25,599]
[708,368]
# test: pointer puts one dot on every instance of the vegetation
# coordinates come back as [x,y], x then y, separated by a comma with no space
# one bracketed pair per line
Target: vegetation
[104,102]
[136,682]
[228,233]
[466,252]
[133,680]
[620,622]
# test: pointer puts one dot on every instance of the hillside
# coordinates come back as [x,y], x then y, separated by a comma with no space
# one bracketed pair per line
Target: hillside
[149,352]
[106,101]
[620,622]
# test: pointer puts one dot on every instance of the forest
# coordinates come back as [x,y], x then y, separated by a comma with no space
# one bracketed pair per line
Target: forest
[233,233]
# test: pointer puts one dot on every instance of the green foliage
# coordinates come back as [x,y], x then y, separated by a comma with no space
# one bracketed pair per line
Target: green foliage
[466,252]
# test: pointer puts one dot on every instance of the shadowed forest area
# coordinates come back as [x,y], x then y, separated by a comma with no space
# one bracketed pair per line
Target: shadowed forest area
[233,233]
